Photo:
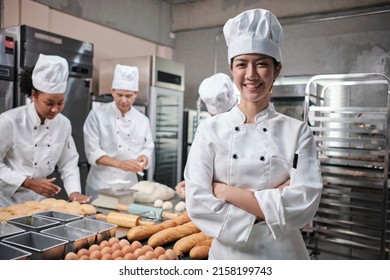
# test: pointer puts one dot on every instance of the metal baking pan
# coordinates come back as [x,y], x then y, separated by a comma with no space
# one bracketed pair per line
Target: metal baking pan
[41,246]
[33,223]
[8,230]
[103,230]
[8,252]
[59,216]
[77,238]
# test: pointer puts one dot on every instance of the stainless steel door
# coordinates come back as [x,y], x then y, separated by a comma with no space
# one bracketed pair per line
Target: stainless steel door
[166,119]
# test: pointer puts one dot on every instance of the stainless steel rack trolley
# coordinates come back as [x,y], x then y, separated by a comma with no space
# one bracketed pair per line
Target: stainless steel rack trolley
[350,115]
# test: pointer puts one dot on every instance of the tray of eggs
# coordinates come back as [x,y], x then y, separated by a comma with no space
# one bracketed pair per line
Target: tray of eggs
[121,249]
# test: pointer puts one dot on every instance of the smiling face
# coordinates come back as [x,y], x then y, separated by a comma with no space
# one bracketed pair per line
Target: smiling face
[254,75]
[124,99]
[48,105]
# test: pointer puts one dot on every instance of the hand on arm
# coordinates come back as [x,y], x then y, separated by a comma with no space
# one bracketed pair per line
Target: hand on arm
[180,189]
[242,198]
[125,165]
[76,196]
[44,187]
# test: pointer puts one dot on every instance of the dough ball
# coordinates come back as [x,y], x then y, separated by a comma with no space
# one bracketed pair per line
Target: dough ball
[48,201]
[88,209]
[148,192]
[180,206]
[167,205]
[158,203]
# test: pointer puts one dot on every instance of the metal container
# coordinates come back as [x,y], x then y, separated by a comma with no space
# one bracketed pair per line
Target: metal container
[41,246]
[9,229]
[59,216]
[8,252]
[33,223]
[78,238]
[103,230]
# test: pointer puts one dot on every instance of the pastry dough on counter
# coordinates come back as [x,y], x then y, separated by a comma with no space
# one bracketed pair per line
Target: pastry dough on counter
[149,192]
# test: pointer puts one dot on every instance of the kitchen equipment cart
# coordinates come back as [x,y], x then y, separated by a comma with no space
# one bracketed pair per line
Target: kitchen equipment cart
[349,115]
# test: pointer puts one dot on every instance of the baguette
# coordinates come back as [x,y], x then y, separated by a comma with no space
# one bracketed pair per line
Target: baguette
[201,250]
[186,243]
[144,232]
[182,219]
[172,234]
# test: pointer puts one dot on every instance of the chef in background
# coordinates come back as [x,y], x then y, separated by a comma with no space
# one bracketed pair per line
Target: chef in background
[217,93]
[36,137]
[239,158]
[117,137]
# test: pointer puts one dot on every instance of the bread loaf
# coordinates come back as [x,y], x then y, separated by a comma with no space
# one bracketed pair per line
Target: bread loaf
[144,232]
[185,244]
[172,234]
[182,219]
[201,250]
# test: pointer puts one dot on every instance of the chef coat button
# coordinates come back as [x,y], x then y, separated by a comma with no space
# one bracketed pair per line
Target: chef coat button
[235,156]
[237,128]
[120,146]
[48,145]
[264,129]
[262,158]
[35,127]
[35,163]
[36,145]
[48,162]
[47,127]
[117,132]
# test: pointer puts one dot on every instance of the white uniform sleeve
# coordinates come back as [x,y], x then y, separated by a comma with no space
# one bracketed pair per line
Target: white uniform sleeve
[68,166]
[148,147]
[93,150]
[296,205]
[12,178]
[213,216]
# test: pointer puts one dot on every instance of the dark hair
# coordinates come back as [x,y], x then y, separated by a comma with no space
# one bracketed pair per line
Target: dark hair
[25,81]
[275,62]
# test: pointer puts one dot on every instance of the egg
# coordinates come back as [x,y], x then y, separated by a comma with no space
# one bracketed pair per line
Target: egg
[136,244]
[95,255]
[126,249]
[84,257]
[103,244]
[138,252]
[163,257]
[124,242]
[146,248]
[142,257]
[116,246]
[117,253]
[113,240]
[129,256]
[150,255]
[71,256]
[171,254]
[107,257]
[93,247]
[83,252]
[106,250]
[119,258]
[158,251]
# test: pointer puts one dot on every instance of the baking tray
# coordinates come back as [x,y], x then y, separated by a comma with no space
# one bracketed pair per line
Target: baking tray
[77,238]
[41,246]
[8,252]
[9,229]
[59,216]
[103,230]
[33,223]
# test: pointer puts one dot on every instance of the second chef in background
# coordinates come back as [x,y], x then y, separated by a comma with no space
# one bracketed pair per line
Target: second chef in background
[118,138]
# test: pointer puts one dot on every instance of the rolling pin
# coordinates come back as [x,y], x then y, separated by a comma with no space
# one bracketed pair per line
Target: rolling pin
[123,220]
[137,209]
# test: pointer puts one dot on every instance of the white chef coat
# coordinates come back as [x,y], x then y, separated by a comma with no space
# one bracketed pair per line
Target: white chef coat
[258,157]
[31,150]
[108,133]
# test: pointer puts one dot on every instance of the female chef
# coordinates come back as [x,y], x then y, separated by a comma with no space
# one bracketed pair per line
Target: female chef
[239,158]
[117,137]
[35,138]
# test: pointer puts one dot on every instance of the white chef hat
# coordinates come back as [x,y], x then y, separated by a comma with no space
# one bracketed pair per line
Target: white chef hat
[125,78]
[50,74]
[254,31]
[217,93]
